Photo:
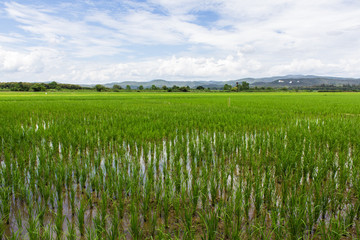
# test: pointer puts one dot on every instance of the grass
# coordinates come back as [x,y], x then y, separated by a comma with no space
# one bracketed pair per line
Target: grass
[179,165]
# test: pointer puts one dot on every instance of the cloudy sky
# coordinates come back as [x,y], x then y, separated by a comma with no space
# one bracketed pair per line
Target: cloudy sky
[88,41]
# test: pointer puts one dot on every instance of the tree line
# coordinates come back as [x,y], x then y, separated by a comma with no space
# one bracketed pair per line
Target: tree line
[54,86]
[243,86]
[239,87]
[38,87]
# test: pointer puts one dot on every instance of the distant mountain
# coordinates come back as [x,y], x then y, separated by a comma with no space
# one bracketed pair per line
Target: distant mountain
[277,81]
[161,82]
[306,81]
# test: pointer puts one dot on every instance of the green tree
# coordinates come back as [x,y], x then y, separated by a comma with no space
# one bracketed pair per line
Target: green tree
[37,88]
[100,88]
[128,87]
[116,86]
[141,87]
[227,87]
[200,88]
[184,89]
[244,86]
[53,85]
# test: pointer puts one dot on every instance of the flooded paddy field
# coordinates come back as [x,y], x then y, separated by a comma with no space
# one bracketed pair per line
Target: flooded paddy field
[179,166]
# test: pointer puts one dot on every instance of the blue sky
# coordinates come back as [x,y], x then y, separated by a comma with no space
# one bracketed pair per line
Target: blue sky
[102,41]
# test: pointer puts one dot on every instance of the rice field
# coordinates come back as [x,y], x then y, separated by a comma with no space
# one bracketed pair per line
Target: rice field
[179,165]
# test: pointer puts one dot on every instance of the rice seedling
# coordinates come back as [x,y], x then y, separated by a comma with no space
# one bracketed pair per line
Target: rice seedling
[47,234]
[81,217]
[5,204]
[2,229]
[135,228]
[99,227]
[33,228]
[154,222]
[71,235]
[113,232]
[211,222]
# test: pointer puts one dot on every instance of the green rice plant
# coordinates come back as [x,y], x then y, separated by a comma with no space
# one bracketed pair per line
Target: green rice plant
[72,200]
[5,204]
[120,207]
[135,228]
[91,233]
[83,178]
[146,199]
[349,216]
[187,216]
[15,235]
[154,221]
[52,197]
[237,233]
[69,178]
[59,219]
[41,211]
[214,189]
[338,228]
[47,233]
[313,214]
[296,216]
[166,204]
[211,220]
[113,232]
[71,235]
[99,227]
[276,224]
[228,217]
[162,235]
[81,216]
[204,188]
[247,196]
[176,203]
[103,208]
[258,193]
[89,198]
[195,195]
[77,171]
[19,219]
[46,193]
[2,229]
[324,202]
[238,205]
[59,189]
[33,228]
[260,232]
[158,191]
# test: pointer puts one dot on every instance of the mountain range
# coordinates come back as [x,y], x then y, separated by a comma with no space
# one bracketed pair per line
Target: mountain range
[277,82]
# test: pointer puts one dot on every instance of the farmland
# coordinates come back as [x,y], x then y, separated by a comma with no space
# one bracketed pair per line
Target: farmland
[179,165]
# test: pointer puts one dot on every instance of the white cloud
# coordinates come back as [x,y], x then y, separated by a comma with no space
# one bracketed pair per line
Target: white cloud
[77,37]
[298,66]
[228,67]
[316,66]
[92,43]
[32,61]
[182,68]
